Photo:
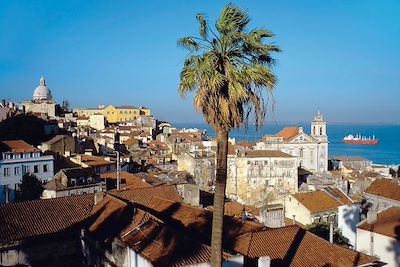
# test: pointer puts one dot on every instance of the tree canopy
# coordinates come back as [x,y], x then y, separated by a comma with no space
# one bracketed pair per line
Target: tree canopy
[229,68]
[31,188]
[321,229]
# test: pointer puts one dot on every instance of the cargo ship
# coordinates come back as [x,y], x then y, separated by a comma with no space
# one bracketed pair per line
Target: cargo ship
[359,139]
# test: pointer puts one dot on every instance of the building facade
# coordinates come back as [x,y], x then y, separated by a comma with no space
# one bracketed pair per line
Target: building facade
[261,177]
[18,158]
[311,149]
[116,114]
[201,165]
[73,181]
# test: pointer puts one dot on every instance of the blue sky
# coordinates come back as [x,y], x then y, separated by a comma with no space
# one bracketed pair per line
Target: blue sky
[341,56]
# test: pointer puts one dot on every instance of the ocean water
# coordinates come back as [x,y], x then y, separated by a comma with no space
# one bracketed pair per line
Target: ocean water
[387,151]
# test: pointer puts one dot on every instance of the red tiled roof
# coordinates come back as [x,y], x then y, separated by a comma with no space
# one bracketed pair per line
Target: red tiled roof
[246,144]
[233,208]
[293,246]
[288,133]
[317,201]
[143,196]
[342,196]
[384,188]
[83,118]
[131,180]
[41,217]
[388,223]
[17,146]
[95,160]
[108,206]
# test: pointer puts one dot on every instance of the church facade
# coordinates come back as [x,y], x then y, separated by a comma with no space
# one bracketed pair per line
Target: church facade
[42,101]
[311,150]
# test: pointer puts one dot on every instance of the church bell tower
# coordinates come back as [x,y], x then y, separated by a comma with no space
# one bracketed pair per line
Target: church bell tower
[318,128]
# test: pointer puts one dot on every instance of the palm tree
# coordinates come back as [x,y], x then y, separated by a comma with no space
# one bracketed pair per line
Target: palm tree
[229,70]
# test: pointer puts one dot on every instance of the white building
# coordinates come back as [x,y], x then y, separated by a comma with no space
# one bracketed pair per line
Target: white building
[383,193]
[17,158]
[318,206]
[380,236]
[42,101]
[311,150]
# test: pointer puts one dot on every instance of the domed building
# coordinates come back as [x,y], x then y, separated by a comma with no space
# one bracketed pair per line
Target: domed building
[42,92]
[42,101]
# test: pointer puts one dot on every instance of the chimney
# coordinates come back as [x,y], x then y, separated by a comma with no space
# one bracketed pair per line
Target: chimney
[264,261]
[372,216]
[98,197]
[301,130]
[79,159]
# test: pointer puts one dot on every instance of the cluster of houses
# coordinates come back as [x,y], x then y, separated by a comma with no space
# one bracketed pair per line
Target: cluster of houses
[124,189]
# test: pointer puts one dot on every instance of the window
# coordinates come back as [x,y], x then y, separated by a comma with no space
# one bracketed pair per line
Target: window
[314,132]
[301,153]
[320,131]
[25,169]
[6,172]
[45,168]
[265,162]
[16,170]
[35,168]
[31,155]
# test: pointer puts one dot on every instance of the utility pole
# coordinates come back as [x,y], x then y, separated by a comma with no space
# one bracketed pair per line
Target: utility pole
[118,166]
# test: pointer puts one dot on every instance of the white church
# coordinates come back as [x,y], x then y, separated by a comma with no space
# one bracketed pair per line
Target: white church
[311,149]
[42,101]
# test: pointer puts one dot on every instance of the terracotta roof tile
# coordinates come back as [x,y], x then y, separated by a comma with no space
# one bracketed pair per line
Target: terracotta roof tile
[317,201]
[233,208]
[295,247]
[108,206]
[16,146]
[385,188]
[41,217]
[288,133]
[388,223]
[129,180]
[246,144]
[345,200]
[143,196]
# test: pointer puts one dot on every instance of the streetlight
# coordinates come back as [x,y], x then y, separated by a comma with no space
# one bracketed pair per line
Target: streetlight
[118,166]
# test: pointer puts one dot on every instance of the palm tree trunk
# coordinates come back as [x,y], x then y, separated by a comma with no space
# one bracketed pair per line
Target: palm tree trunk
[219,198]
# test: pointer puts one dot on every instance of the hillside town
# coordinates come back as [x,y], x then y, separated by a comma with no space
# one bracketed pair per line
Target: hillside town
[121,188]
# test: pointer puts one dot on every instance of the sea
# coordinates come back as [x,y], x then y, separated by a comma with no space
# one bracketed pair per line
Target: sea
[387,151]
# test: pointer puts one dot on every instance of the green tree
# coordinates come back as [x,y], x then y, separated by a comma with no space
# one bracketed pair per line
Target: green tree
[229,69]
[321,229]
[393,172]
[31,188]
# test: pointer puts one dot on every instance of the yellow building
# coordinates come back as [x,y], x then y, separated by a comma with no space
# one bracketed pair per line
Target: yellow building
[115,114]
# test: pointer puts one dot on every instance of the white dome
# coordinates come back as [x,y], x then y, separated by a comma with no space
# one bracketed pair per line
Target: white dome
[42,92]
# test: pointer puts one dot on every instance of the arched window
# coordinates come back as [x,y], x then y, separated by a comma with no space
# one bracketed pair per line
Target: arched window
[314,132]
[320,131]
[301,153]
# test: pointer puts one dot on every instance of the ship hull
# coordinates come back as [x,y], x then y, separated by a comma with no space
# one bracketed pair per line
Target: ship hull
[362,142]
